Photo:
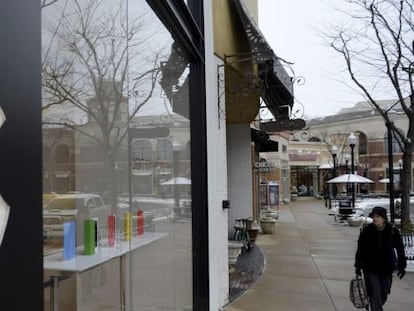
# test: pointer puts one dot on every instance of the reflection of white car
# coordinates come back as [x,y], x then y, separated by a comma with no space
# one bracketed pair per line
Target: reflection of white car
[73,206]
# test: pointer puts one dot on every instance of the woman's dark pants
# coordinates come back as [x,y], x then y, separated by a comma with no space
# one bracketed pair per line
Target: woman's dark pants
[378,288]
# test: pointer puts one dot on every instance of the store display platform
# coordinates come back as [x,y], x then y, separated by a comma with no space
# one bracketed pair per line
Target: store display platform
[83,262]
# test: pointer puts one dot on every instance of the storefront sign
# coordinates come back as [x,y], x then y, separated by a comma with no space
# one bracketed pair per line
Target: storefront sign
[283,125]
[264,166]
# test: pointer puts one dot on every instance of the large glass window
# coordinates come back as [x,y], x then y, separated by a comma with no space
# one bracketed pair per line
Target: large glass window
[362,143]
[117,178]
[164,150]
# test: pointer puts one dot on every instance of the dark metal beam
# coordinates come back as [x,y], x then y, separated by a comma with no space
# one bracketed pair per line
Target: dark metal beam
[21,253]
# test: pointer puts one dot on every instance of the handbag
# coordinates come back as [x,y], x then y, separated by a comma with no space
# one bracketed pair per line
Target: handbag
[358,292]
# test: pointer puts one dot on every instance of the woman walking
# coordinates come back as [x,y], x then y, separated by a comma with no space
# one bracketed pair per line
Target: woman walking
[380,252]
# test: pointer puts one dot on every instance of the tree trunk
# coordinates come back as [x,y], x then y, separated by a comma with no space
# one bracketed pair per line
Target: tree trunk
[405,189]
[111,182]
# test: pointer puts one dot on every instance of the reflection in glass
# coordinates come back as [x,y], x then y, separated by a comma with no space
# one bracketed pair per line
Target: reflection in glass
[115,101]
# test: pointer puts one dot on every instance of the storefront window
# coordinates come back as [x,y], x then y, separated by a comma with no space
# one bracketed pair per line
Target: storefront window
[116,169]
[305,179]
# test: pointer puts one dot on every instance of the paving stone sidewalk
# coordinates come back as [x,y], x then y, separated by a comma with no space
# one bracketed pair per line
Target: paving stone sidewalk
[308,263]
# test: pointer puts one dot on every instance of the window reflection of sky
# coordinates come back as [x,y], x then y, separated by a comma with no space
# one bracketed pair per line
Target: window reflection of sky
[149,44]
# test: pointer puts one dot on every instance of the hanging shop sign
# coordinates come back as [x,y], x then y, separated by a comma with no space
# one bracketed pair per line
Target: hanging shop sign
[283,125]
[264,166]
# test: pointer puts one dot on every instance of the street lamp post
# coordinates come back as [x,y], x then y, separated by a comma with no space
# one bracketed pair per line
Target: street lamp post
[352,141]
[177,147]
[334,153]
[400,162]
[331,187]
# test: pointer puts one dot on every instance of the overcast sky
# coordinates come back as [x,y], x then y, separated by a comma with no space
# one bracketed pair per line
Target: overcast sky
[289,28]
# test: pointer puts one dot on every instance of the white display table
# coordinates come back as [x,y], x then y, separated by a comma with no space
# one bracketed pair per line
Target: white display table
[83,262]
[59,269]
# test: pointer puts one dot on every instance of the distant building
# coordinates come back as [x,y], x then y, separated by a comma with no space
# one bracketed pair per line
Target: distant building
[310,150]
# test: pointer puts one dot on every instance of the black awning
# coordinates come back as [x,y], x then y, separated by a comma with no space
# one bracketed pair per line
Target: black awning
[278,98]
[258,136]
[262,141]
[277,90]
[268,146]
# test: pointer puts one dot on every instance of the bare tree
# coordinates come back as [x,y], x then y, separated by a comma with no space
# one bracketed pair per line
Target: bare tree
[376,44]
[95,59]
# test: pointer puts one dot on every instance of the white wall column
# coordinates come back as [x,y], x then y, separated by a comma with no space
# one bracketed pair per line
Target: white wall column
[239,171]
[217,173]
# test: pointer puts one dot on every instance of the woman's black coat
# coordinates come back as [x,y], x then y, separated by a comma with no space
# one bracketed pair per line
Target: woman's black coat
[375,251]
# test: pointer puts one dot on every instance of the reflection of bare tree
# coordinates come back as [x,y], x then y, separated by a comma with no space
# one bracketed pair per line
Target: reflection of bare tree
[92,57]
[335,138]
[46,3]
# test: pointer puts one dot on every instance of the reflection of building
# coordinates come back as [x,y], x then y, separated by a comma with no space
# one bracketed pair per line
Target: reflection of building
[58,153]
[153,155]
[311,160]
[76,146]
[151,148]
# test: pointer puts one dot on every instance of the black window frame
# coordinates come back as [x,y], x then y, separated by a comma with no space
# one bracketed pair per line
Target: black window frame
[198,149]
[186,24]
[21,253]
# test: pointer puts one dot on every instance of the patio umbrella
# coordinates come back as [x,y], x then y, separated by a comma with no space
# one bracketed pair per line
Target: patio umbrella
[384,181]
[178,181]
[350,179]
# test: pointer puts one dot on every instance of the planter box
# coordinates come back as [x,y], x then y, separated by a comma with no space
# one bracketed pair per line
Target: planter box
[271,214]
[234,248]
[268,226]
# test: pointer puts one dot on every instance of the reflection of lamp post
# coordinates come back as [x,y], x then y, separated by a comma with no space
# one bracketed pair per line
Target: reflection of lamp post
[176,151]
[352,141]
[334,152]
[347,157]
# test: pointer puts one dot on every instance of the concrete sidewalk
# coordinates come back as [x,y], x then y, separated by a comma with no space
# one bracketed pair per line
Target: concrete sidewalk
[309,264]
